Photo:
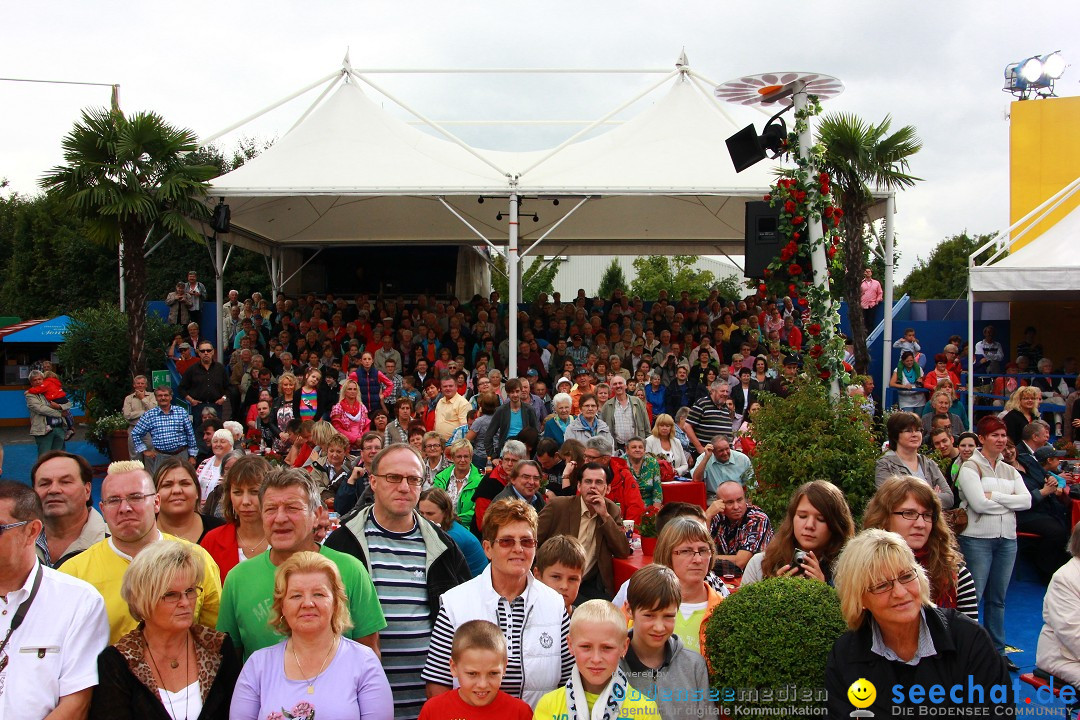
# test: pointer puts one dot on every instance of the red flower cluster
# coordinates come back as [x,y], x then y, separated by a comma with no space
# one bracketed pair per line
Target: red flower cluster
[794,269]
[814,329]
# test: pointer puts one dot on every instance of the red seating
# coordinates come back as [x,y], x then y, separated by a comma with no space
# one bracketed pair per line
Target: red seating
[690,492]
[1031,536]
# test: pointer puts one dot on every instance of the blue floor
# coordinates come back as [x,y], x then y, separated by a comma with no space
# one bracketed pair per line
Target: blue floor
[19,458]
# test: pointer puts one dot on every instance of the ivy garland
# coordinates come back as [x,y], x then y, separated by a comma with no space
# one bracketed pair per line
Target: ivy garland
[804,195]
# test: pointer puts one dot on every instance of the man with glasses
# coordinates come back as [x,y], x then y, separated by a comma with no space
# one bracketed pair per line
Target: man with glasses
[62,618]
[412,562]
[525,481]
[205,383]
[739,529]
[594,520]
[291,507]
[624,490]
[170,431]
[130,503]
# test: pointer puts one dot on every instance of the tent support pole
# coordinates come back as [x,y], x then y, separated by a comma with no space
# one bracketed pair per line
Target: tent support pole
[486,259]
[297,272]
[554,258]
[469,225]
[512,280]
[275,272]
[971,346]
[817,254]
[120,262]
[552,228]
[886,338]
[219,291]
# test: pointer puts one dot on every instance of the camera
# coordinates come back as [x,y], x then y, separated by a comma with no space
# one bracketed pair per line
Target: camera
[797,561]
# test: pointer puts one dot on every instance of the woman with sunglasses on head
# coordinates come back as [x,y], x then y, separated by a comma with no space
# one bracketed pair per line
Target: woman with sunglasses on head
[531,615]
[897,639]
[910,508]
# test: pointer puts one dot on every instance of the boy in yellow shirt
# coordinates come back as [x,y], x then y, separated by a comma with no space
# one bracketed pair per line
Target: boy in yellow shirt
[598,688]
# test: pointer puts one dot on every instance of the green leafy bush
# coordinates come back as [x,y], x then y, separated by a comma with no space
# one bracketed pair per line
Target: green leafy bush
[773,635]
[812,436]
[95,356]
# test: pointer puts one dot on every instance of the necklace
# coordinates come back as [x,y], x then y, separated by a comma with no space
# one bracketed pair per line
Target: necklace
[174,663]
[249,551]
[322,668]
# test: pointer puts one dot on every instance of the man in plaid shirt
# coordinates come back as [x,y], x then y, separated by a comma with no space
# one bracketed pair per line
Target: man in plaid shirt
[739,529]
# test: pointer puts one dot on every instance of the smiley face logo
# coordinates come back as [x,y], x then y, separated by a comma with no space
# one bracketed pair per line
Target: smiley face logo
[862,693]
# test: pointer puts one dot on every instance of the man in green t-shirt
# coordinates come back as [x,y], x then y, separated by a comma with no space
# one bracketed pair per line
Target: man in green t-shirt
[291,507]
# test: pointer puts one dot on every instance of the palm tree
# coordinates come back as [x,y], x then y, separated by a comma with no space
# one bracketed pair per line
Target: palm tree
[129,179]
[862,157]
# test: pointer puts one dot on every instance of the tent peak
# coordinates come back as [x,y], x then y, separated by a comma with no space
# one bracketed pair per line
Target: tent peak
[682,63]
[346,65]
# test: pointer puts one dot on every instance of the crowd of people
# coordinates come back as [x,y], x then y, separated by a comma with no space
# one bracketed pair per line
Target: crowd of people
[359,514]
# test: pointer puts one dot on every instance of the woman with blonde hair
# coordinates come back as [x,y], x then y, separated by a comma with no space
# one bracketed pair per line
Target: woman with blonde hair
[663,443]
[685,546]
[897,640]
[169,667]
[817,524]
[286,405]
[1021,409]
[350,416]
[910,508]
[316,668]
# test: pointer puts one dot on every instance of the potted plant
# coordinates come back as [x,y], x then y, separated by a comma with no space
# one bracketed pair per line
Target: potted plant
[769,642]
[647,530]
[109,434]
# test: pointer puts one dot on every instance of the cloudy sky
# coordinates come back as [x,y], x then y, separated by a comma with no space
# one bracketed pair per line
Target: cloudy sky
[205,65]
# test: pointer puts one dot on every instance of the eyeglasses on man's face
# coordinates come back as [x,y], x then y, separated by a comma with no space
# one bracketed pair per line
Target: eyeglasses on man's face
[396,479]
[12,526]
[133,500]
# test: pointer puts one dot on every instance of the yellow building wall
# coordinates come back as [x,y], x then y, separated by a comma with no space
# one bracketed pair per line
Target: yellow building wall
[1044,157]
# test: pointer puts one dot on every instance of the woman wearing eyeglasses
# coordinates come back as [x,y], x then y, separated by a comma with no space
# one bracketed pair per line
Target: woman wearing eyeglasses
[169,667]
[897,640]
[686,547]
[531,615]
[908,507]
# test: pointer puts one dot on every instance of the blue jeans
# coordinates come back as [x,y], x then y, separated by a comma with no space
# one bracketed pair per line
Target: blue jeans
[990,561]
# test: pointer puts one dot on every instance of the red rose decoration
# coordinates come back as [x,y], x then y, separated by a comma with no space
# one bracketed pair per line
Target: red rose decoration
[798,220]
[791,247]
[823,176]
[816,351]
[828,211]
[838,212]
[761,288]
[802,301]
[796,235]
[836,221]
[791,290]
[767,198]
[767,272]
[814,328]
[794,269]
[785,255]
[789,206]
[825,375]
[832,252]
[800,195]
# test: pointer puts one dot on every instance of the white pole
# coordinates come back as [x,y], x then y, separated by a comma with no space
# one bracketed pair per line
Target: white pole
[971,347]
[817,255]
[219,266]
[120,257]
[512,284]
[275,272]
[886,337]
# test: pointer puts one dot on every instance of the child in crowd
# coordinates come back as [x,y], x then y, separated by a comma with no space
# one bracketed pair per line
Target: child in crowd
[657,662]
[909,342]
[54,393]
[560,563]
[408,389]
[477,662]
[598,641]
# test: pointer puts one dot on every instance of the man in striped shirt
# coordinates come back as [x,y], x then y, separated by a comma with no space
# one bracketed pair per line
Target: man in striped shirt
[412,563]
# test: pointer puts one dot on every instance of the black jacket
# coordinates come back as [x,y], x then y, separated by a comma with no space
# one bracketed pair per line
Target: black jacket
[500,426]
[120,695]
[963,649]
[446,563]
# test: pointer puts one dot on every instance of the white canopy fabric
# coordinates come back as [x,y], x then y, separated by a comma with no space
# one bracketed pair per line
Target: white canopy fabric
[350,173]
[1047,268]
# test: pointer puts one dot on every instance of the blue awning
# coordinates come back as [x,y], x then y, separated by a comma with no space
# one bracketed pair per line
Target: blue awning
[49,331]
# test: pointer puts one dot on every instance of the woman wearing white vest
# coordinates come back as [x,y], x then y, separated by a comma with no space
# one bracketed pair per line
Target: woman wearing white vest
[531,615]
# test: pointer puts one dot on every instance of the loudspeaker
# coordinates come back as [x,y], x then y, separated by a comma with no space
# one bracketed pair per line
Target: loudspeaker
[221,219]
[762,238]
[745,149]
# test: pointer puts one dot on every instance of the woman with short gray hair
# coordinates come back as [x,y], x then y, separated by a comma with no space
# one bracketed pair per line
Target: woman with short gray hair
[46,417]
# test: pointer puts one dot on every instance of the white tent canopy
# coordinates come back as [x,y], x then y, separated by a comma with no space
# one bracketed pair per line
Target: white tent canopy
[1049,266]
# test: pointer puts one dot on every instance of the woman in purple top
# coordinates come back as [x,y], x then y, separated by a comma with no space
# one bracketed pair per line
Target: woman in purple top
[315,668]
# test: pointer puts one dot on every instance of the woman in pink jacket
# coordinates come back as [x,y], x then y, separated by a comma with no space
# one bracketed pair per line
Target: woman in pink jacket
[349,416]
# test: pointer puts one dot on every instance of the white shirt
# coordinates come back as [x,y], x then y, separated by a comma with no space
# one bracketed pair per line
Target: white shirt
[54,652]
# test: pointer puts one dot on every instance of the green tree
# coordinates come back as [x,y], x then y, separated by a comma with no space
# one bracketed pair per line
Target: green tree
[674,274]
[862,157]
[535,279]
[128,179]
[613,279]
[944,274]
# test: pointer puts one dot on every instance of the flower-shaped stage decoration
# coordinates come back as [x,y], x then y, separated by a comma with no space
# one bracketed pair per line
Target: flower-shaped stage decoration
[754,89]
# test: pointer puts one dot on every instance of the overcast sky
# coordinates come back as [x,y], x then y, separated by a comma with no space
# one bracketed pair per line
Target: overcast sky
[205,65]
